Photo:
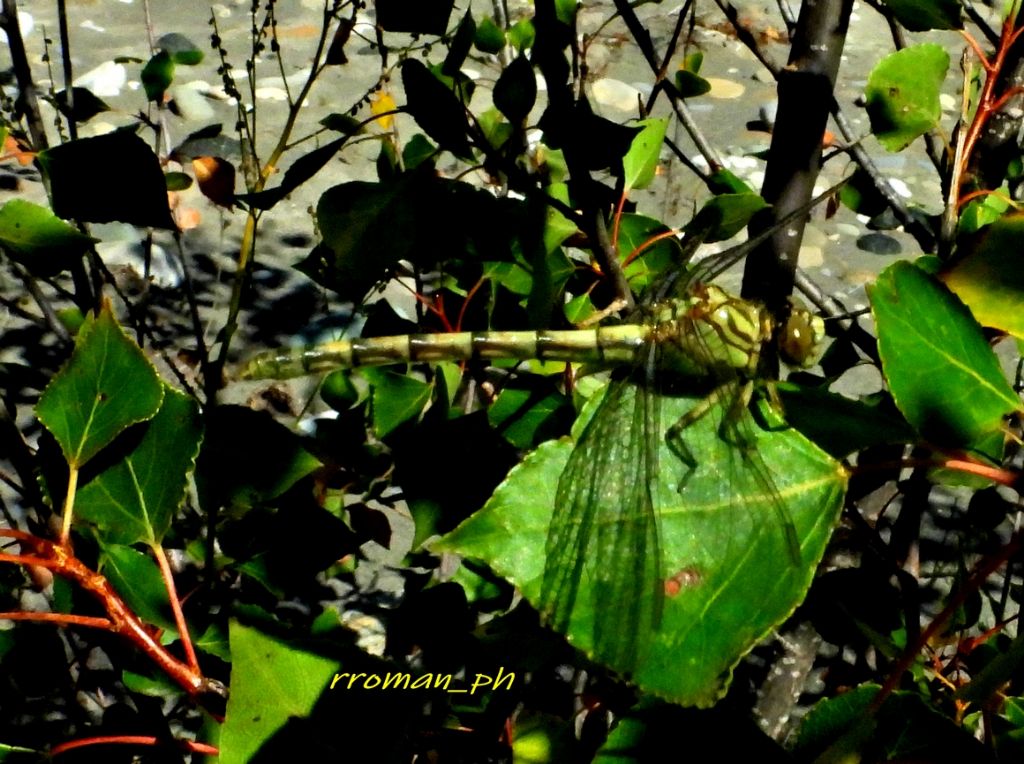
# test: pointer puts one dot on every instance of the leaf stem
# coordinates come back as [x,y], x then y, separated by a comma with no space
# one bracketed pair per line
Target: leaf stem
[69,504]
[179,616]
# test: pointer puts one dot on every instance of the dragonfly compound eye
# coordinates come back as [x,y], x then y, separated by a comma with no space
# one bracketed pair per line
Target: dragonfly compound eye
[801,337]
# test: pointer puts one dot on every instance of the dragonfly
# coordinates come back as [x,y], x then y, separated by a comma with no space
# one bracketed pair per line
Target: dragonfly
[706,339]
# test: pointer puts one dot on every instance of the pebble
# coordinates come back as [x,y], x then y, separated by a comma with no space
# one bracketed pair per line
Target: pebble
[105,81]
[615,94]
[879,244]
[725,89]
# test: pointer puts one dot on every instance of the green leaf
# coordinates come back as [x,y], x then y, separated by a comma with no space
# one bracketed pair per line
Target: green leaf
[902,94]
[724,554]
[107,386]
[181,49]
[214,641]
[272,684]
[343,123]
[923,15]
[40,240]
[436,109]
[177,181]
[490,38]
[983,211]
[516,90]
[136,577]
[397,398]
[136,497]
[989,278]
[522,35]
[111,177]
[641,160]
[943,374]
[648,260]
[691,85]
[725,215]
[157,75]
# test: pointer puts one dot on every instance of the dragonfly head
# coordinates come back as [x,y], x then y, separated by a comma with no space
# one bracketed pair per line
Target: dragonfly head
[801,337]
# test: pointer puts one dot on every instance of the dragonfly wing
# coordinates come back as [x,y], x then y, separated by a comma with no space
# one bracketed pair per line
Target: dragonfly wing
[603,539]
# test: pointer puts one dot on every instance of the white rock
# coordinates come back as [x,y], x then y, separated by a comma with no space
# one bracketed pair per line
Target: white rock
[105,81]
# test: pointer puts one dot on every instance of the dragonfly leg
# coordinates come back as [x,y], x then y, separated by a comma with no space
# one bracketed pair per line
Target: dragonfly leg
[674,434]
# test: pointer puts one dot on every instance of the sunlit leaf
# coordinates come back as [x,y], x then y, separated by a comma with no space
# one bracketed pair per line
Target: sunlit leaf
[107,386]
[135,498]
[720,540]
[641,161]
[40,240]
[943,374]
[397,398]
[272,683]
[902,94]
[157,75]
[490,38]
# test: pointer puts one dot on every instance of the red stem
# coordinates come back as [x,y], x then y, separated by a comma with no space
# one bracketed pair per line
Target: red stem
[193,746]
[62,619]
[179,616]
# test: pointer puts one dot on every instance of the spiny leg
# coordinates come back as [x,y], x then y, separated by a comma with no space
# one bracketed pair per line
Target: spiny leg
[731,431]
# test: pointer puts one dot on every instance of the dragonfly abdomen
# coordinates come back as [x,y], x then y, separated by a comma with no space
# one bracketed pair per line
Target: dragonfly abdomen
[605,345]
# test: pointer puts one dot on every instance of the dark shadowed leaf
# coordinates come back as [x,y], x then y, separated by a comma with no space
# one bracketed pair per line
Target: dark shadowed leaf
[85,106]
[516,90]
[435,108]
[248,458]
[421,17]
[111,177]
[304,168]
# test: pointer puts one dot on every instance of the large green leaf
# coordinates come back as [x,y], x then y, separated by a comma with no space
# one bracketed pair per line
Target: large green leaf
[38,239]
[107,386]
[902,94]
[727,570]
[135,498]
[943,374]
[271,683]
